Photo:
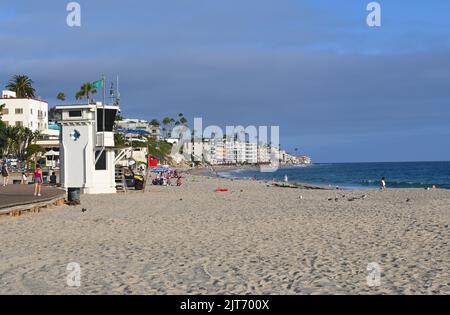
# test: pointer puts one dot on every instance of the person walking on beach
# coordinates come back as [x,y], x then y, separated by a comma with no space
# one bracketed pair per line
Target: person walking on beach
[5,174]
[286,179]
[383,183]
[37,180]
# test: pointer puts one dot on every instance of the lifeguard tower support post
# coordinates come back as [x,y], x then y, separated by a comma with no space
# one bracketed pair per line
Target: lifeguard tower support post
[87,148]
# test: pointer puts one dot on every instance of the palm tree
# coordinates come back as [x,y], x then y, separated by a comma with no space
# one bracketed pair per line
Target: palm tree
[183,121]
[25,137]
[85,92]
[166,122]
[1,114]
[22,85]
[53,114]
[32,152]
[61,96]
[155,122]
[8,138]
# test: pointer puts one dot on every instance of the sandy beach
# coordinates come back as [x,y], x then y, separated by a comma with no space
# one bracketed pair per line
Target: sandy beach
[254,239]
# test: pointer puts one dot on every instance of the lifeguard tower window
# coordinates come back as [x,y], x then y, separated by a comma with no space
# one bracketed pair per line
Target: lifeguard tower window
[101,163]
[110,117]
[75,113]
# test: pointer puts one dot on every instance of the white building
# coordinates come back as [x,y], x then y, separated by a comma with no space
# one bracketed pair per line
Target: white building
[217,151]
[214,151]
[24,112]
[223,151]
[251,153]
[263,154]
[239,152]
[139,124]
[236,151]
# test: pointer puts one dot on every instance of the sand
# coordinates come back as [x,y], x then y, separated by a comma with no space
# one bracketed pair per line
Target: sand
[252,240]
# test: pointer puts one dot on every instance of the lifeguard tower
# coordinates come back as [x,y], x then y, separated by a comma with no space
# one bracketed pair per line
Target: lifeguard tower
[87,148]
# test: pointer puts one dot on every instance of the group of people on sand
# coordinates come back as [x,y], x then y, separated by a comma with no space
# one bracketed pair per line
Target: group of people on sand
[37,177]
[165,178]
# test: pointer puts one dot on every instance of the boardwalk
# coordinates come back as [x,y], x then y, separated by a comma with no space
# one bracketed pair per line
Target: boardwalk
[16,195]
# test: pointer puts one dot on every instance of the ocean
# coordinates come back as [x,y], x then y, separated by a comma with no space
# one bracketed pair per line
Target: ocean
[358,175]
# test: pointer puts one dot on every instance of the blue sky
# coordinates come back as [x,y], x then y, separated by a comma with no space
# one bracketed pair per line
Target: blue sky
[339,90]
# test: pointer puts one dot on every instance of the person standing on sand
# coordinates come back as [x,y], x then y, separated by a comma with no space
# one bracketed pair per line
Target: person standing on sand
[383,183]
[5,174]
[286,179]
[37,180]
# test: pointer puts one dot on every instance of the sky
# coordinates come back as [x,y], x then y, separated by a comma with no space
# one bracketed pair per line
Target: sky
[339,90]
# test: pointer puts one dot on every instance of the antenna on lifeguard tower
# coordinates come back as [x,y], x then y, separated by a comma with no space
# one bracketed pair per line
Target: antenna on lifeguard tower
[117,92]
[112,95]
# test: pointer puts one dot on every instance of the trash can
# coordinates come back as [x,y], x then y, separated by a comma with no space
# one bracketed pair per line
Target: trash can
[74,195]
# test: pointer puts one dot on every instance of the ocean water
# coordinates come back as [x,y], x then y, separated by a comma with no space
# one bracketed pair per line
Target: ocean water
[359,175]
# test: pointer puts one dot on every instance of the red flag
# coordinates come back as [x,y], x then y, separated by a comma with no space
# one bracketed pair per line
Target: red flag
[152,162]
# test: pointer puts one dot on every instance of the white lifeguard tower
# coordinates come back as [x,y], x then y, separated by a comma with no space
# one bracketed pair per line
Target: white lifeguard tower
[87,148]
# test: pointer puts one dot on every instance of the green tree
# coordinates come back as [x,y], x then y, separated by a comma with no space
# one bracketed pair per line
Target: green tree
[25,137]
[32,152]
[22,85]
[86,90]
[119,140]
[161,150]
[15,140]
[61,96]
[155,122]
[183,121]
[166,124]
[8,136]
[2,106]
[53,114]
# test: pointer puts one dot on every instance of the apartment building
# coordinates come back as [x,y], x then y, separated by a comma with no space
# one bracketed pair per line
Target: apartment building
[235,151]
[263,154]
[24,112]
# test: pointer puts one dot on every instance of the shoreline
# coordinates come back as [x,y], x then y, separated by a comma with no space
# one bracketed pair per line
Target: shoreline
[206,171]
[294,185]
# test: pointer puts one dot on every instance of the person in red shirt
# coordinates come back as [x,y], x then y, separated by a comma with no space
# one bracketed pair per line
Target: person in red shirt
[37,180]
